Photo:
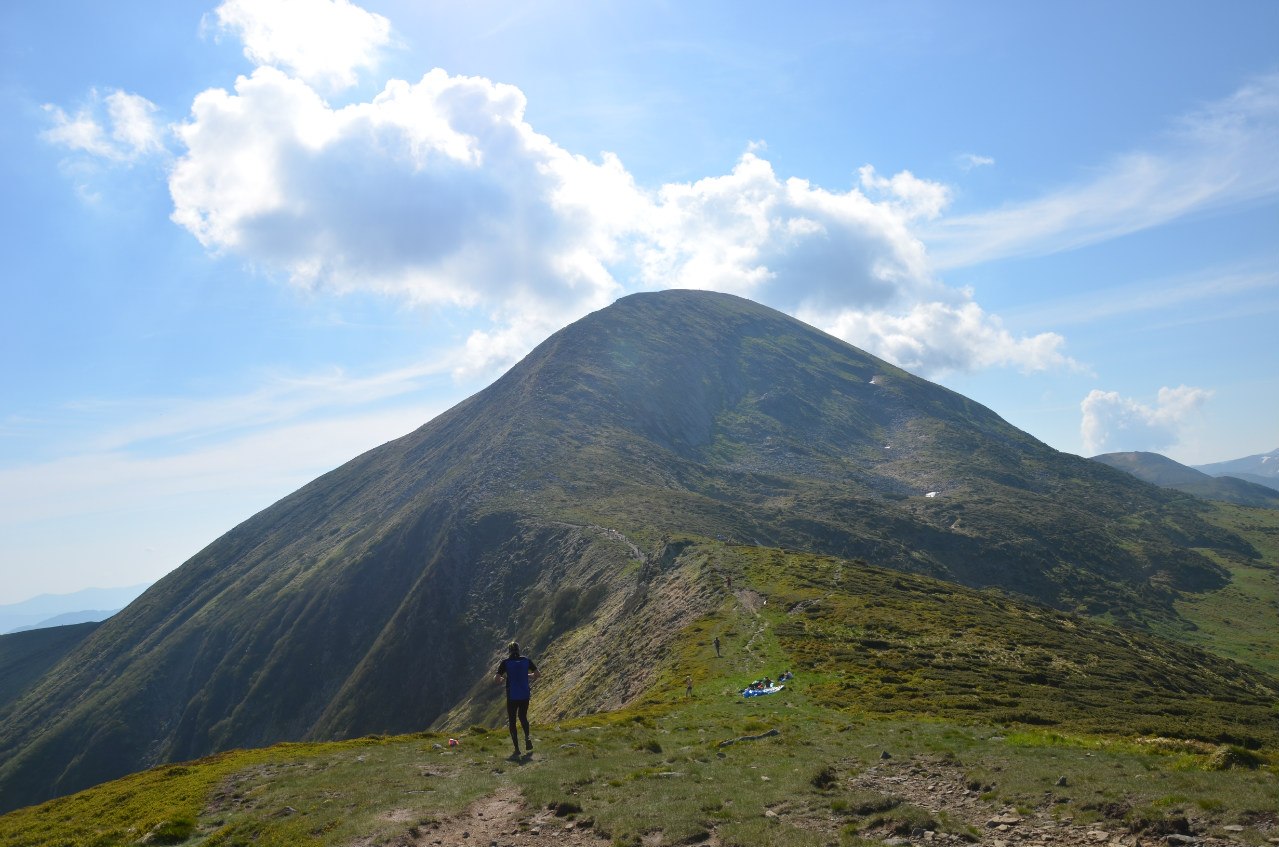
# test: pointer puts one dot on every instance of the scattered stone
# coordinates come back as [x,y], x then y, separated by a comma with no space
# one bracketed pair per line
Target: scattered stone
[1177,839]
[769,734]
[1233,827]
[1098,836]
[1062,782]
[769,813]
[885,755]
[1006,819]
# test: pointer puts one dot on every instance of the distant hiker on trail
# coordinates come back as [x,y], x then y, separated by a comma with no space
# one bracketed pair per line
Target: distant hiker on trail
[717,646]
[517,671]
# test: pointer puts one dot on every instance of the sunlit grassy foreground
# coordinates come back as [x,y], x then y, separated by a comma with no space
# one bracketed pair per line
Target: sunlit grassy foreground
[1031,709]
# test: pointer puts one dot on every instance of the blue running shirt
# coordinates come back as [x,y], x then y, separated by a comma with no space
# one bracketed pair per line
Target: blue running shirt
[516,673]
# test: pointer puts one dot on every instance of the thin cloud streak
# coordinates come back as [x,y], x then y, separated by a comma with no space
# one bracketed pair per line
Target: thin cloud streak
[1220,157]
[280,401]
[278,460]
[1156,295]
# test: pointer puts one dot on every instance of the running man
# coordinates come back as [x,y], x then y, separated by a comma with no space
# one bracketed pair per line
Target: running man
[517,672]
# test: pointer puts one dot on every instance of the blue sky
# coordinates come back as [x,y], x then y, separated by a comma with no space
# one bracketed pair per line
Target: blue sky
[245,241]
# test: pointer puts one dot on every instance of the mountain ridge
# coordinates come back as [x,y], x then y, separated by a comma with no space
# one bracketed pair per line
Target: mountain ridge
[43,607]
[1167,473]
[1262,469]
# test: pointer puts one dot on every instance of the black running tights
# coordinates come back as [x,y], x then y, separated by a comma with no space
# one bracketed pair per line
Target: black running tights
[514,708]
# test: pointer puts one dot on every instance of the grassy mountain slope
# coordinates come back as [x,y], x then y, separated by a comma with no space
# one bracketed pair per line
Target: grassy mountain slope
[1269,481]
[27,656]
[376,598]
[1238,621]
[1078,725]
[1164,472]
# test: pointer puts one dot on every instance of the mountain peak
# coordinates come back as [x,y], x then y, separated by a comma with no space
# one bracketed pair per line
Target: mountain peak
[553,506]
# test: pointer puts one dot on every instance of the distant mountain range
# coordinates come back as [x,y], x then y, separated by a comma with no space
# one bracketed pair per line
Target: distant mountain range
[1166,473]
[89,604]
[576,504]
[1263,469]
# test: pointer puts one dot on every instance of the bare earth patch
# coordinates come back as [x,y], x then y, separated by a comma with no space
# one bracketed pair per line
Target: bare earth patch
[503,819]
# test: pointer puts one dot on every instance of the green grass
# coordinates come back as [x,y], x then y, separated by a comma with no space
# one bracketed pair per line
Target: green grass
[1033,709]
[1239,620]
[873,641]
[601,770]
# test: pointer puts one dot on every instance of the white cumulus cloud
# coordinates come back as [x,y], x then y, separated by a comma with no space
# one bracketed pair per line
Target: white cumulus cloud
[1113,423]
[785,242]
[937,338]
[437,191]
[325,42]
[440,192]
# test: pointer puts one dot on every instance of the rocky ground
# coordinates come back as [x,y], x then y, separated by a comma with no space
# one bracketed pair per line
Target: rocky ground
[941,788]
[505,820]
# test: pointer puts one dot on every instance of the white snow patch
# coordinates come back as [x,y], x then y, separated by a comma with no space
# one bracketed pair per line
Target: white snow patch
[931,494]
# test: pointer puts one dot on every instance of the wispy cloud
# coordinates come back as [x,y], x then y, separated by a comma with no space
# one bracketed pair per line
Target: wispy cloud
[275,438]
[969,161]
[1220,156]
[202,464]
[1211,288]
[120,127]
[167,423]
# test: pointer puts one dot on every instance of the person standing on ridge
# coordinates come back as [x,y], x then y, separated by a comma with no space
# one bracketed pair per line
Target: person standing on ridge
[517,672]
